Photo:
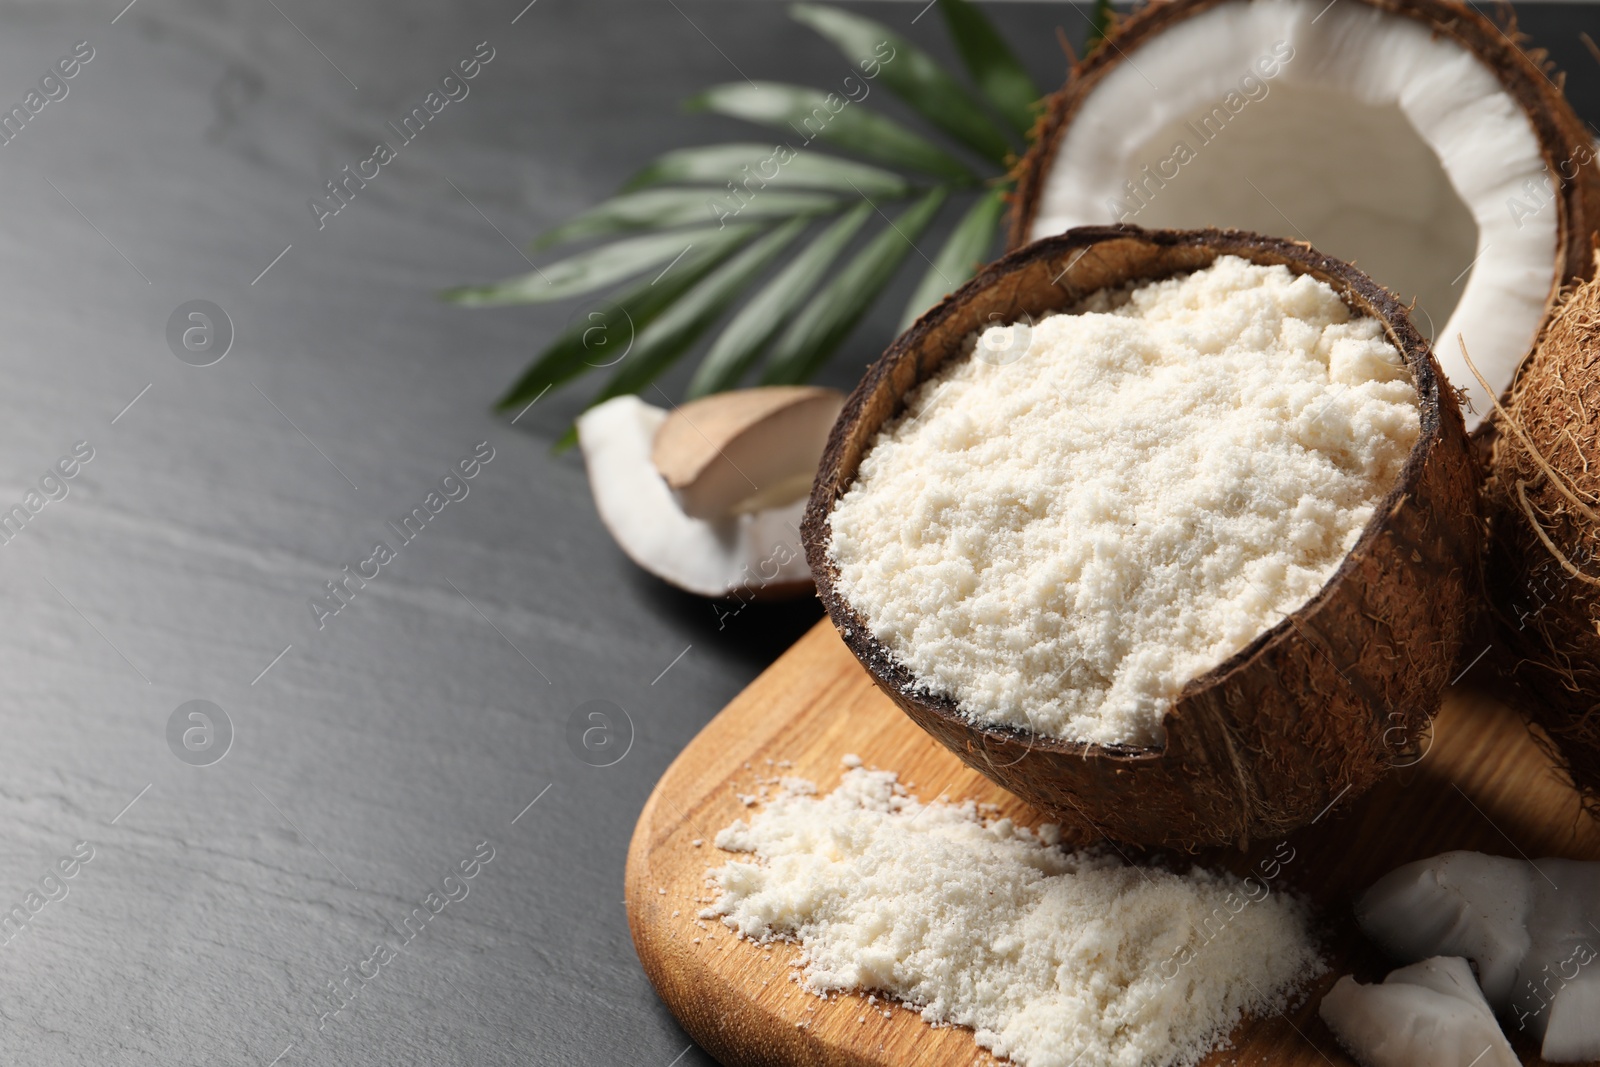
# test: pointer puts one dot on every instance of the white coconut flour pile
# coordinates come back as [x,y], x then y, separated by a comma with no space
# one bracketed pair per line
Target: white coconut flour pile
[1064,529]
[1053,958]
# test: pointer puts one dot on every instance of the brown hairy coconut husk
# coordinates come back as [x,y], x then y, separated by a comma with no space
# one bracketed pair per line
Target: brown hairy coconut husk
[1312,709]
[1289,150]
[1543,566]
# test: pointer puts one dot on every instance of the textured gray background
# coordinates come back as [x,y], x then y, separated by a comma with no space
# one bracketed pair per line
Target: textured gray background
[374,754]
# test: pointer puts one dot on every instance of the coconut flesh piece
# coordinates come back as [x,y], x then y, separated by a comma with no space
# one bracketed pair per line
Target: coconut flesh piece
[1532,930]
[1355,129]
[746,450]
[1430,1014]
[755,551]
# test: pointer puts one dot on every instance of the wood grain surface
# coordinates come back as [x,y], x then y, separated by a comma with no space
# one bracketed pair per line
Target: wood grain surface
[1483,783]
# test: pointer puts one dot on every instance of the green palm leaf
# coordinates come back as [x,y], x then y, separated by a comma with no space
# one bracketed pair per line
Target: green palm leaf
[597,268]
[911,74]
[742,340]
[806,113]
[769,166]
[687,236]
[822,325]
[593,339]
[661,209]
[966,248]
[660,344]
[992,64]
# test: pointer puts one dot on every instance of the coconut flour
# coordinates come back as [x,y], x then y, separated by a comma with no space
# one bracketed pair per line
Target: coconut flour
[1093,509]
[1052,957]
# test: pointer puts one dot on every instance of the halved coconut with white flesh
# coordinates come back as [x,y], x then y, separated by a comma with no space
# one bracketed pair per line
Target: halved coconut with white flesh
[720,514]
[1413,138]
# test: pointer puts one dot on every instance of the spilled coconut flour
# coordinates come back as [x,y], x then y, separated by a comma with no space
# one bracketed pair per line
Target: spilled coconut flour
[1064,529]
[1053,958]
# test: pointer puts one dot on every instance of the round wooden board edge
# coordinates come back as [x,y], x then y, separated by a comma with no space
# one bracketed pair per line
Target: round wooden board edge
[1488,757]
[721,1016]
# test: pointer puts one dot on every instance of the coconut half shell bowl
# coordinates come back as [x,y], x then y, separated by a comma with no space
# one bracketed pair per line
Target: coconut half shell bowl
[1315,709]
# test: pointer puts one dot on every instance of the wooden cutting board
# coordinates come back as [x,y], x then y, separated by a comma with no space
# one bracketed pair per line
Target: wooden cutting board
[1483,784]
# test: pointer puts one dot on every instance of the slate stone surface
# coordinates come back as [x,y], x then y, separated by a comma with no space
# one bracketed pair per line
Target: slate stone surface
[247,862]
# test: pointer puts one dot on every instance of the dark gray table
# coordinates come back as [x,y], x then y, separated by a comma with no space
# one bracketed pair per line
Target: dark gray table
[426,723]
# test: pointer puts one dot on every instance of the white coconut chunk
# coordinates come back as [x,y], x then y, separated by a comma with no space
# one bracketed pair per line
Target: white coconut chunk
[711,558]
[1557,994]
[1430,1014]
[1571,1034]
[747,449]
[1456,904]
[1352,128]
[1532,929]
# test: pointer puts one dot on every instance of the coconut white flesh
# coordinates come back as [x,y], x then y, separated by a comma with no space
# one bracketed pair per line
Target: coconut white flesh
[1532,929]
[1557,994]
[1375,141]
[746,450]
[1571,1032]
[1430,1014]
[711,558]
[1455,904]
